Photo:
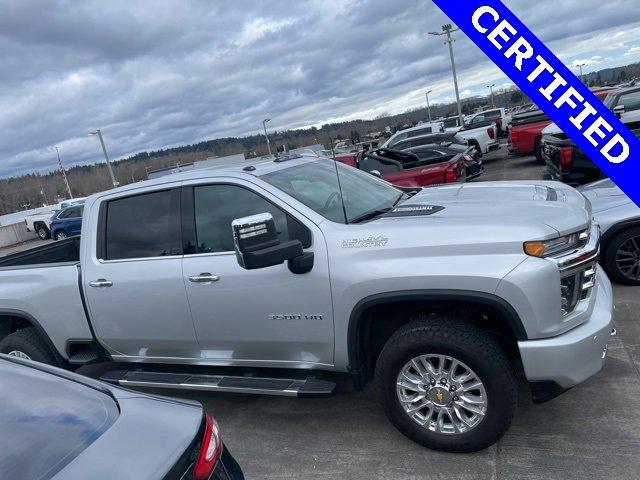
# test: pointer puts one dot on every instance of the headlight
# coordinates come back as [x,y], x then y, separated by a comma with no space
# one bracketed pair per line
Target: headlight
[547,248]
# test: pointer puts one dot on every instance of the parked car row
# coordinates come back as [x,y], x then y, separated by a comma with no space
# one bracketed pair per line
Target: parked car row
[40,222]
[302,262]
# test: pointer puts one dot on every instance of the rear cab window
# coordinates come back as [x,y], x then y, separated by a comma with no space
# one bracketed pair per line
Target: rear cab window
[142,226]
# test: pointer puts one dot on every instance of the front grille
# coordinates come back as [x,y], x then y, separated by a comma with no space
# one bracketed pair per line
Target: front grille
[576,285]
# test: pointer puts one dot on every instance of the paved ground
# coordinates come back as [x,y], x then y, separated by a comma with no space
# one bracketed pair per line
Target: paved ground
[592,431]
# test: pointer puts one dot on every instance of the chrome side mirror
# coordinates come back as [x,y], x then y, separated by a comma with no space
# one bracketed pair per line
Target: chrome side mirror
[619,110]
[376,173]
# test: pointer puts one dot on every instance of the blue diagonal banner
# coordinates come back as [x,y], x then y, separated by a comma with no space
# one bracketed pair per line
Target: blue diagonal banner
[552,86]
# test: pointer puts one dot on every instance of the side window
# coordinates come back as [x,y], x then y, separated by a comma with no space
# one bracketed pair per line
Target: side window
[421,131]
[478,118]
[492,115]
[216,206]
[631,101]
[71,213]
[143,226]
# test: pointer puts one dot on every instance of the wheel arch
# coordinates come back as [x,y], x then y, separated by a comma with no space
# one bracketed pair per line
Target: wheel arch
[362,318]
[614,230]
[12,320]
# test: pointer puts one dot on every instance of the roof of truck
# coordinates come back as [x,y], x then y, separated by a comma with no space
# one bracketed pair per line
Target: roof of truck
[253,167]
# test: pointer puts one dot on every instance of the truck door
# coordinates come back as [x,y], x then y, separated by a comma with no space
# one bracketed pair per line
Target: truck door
[133,278]
[268,316]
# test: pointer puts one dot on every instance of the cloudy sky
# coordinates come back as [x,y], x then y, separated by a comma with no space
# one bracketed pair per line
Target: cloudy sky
[160,73]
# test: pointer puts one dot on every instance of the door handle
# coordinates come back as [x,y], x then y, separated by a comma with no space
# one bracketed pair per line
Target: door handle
[101,283]
[204,278]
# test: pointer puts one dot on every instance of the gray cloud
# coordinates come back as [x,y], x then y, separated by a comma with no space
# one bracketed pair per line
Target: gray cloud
[161,73]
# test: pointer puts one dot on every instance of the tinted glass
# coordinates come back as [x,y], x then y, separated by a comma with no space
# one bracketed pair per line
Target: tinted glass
[631,101]
[315,184]
[47,421]
[420,131]
[73,212]
[216,206]
[451,122]
[492,115]
[478,119]
[143,226]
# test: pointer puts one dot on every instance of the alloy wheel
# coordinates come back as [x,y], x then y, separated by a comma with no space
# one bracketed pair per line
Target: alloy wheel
[441,394]
[19,354]
[628,258]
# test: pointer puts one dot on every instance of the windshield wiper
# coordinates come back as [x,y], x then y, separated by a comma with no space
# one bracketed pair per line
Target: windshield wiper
[379,211]
[371,214]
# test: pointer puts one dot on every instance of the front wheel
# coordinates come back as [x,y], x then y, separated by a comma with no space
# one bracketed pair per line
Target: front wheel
[622,257]
[61,235]
[43,232]
[447,385]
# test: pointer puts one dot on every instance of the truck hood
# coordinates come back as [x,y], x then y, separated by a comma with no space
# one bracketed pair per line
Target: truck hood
[604,195]
[537,210]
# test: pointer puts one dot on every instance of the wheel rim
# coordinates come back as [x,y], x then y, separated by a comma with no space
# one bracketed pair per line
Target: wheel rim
[62,235]
[42,234]
[441,394]
[19,354]
[628,258]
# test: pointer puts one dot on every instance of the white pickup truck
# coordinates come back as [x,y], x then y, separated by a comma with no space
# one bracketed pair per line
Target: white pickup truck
[482,135]
[41,222]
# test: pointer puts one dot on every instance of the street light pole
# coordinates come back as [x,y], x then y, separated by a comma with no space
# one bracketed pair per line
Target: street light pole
[106,157]
[264,125]
[580,65]
[493,104]
[448,30]
[428,106]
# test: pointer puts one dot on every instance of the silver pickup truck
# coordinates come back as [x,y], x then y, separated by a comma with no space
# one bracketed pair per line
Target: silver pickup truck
[275,277]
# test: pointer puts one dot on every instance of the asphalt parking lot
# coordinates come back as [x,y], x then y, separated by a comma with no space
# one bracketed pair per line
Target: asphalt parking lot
[592,431]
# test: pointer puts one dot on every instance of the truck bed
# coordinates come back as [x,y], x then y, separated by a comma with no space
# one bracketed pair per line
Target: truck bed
[64,251]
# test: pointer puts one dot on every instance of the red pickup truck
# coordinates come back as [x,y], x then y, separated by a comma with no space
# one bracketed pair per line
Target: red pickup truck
[415,169]
[526,130]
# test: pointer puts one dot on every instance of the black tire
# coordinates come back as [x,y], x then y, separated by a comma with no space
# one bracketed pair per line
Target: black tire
[537,151]
[42,231]
[476,145]
[61,235]
[468,344]
[623,240]
[29,342]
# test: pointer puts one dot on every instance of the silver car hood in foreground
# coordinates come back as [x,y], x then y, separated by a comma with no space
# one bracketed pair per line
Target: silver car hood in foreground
[542,209]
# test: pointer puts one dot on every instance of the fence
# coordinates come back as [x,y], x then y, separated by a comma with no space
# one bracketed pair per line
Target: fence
[15,233]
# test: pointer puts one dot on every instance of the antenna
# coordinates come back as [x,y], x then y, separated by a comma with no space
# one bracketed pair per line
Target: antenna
[335,164]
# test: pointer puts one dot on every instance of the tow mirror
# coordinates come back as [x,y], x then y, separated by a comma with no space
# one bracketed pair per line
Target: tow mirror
[257,245]
[619,110]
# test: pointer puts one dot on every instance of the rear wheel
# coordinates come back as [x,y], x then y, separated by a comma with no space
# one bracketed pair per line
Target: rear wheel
[447,385]
[537,151]
[27,343]
[622,257]
[61,235]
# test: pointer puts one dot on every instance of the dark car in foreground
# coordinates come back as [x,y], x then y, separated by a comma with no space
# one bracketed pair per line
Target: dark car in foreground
[59,425]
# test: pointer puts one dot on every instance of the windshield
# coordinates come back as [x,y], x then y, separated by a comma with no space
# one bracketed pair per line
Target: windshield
[315,184]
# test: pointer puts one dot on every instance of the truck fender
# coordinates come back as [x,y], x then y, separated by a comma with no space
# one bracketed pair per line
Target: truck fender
[5,327]
[357,317]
